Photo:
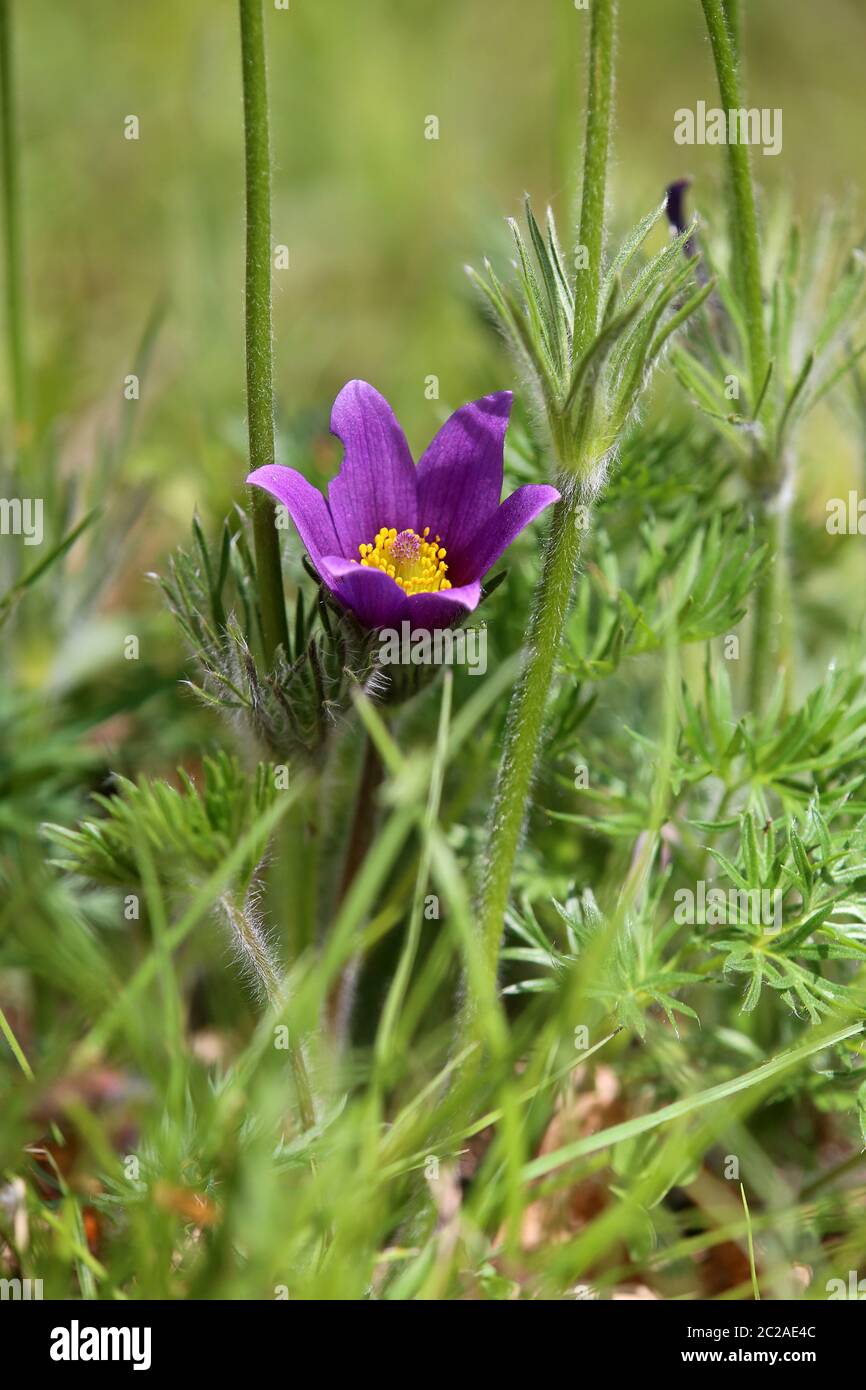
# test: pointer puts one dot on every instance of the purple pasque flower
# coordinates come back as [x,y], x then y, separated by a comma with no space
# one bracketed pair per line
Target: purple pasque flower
[393,541]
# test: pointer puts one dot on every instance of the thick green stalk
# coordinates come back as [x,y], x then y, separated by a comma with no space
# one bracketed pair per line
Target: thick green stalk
[526,717]
[772,626]
[260,412]
[256,957]
[11,226]
[595,157]
[259,332]
[745,242]
[529,703]
[733,18]
[772,632]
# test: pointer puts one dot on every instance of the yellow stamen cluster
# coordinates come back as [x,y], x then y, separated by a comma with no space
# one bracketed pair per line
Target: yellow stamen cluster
[414,562]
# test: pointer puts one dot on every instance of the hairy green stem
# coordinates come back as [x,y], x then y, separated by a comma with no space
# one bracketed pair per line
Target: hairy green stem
[256,957]
[529,703]
[772,632]
[260,413]
[259,332]
[595,158]
[11,227]
[772,484]
[733,18]
[526,718]
[745,243]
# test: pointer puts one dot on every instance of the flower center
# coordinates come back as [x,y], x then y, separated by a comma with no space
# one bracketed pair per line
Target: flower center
[414,562]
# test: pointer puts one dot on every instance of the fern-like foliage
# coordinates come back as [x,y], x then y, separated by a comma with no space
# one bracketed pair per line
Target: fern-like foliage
[819,881]
[188,830]
[637,974]
[293,708]
[693,574]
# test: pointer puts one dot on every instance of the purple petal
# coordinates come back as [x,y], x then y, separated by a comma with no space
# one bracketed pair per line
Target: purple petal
[376,483]
[494,536]
[373,596]
[306,506]
[431,611]
[460,474]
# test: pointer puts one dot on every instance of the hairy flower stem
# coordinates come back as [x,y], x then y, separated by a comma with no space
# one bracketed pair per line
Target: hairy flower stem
[745,242]
[529,702]
[772,634]
[257,959]
[526,716]
[11,228]
[733,18]
[772,484]
[260,412]
[599,112]
[259,332]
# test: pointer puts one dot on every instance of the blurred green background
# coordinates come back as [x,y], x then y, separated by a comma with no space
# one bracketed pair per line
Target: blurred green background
[379,221]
